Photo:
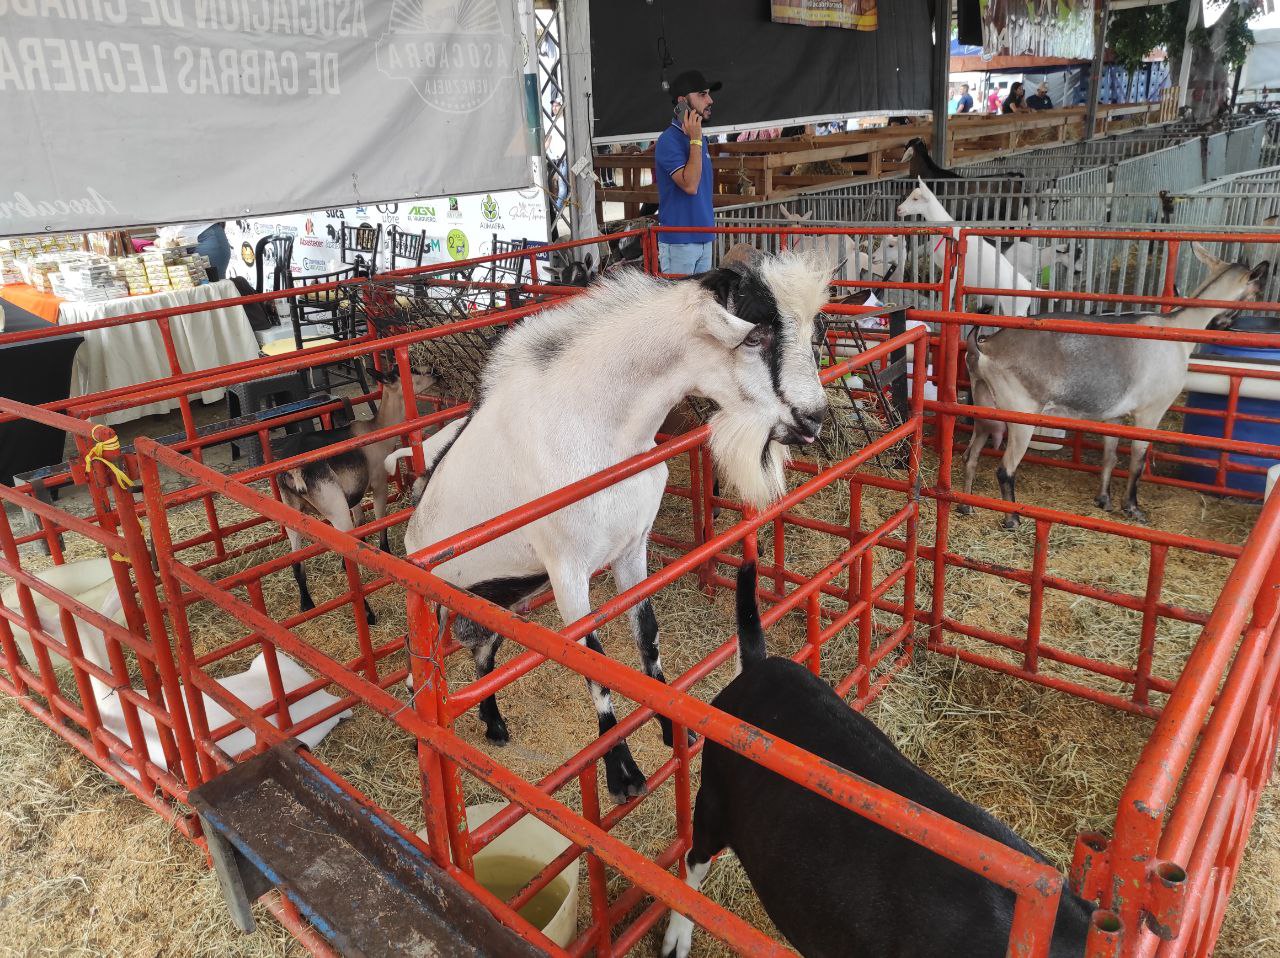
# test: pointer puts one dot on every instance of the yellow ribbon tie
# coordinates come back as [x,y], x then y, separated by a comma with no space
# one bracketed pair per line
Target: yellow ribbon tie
[108,445]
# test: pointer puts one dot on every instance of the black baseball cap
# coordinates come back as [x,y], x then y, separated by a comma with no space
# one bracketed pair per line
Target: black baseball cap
[691,81]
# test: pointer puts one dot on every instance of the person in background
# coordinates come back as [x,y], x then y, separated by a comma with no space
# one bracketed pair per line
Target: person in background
[1016,101]
[682,170]
[209,239]
[964,104]
[993,101]
[1040,99]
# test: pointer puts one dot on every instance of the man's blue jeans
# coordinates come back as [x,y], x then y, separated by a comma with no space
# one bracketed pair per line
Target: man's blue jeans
[684,258]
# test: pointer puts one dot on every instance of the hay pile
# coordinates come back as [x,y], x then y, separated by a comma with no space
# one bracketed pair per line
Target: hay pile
[1048,764]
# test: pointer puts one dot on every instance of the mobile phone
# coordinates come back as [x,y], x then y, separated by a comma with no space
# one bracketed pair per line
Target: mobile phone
[681,111]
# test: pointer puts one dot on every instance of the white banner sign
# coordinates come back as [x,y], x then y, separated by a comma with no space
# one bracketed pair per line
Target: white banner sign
[456,227]
[122,112]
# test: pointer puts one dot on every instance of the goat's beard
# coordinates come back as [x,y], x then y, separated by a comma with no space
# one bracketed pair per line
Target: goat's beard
[747,458]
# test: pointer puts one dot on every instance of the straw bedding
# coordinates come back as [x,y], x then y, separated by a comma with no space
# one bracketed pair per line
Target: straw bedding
[105,876]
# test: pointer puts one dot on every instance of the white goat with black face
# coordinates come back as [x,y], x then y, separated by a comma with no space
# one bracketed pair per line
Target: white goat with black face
[585,385]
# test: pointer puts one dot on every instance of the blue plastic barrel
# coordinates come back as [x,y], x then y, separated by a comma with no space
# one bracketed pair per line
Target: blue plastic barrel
[1244,431]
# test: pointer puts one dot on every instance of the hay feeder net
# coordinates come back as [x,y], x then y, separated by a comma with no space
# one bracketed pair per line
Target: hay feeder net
[862,570]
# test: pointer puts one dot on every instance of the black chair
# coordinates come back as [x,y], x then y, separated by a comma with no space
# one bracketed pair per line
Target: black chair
[409,247]
[327,315]
[508,272]
[359,247]
[277,249]
[281,257]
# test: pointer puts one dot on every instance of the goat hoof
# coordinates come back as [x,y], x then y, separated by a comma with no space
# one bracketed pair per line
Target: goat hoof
[964,509]
[623,776]
[1010,522]
[496,732]
[1136,514]
[1104,503]
[306,605]
[369,616]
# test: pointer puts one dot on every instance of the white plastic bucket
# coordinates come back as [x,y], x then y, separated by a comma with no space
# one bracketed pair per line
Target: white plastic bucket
[1043,437]
[520,853]
[89,581]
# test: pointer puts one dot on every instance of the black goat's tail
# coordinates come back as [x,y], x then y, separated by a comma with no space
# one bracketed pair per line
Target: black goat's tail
[751,648]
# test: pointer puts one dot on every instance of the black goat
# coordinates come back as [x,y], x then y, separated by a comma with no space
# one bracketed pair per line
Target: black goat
[980,196]
[922,165]
[833,882]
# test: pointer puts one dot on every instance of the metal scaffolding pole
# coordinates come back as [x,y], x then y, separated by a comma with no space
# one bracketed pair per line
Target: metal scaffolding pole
[941,78]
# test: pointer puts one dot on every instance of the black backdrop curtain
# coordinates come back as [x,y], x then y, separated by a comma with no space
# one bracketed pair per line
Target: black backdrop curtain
[770,71]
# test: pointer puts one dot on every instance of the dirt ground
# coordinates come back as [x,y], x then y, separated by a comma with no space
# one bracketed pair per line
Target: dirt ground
[87,870]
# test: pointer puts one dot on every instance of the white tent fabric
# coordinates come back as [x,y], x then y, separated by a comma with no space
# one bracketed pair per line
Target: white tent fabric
[1262,68]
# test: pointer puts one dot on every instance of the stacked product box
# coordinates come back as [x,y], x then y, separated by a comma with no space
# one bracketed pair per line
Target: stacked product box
[87,278]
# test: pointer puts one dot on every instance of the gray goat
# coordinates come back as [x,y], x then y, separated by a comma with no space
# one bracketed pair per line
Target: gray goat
[333,488]
[1093,377]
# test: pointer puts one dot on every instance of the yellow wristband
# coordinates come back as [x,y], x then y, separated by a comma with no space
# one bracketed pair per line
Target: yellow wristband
[695,143]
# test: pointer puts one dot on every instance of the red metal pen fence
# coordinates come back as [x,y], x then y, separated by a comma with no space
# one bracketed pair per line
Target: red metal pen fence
[1162,877]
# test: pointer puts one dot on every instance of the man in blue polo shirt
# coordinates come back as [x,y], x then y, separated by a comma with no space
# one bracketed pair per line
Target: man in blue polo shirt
[682,170]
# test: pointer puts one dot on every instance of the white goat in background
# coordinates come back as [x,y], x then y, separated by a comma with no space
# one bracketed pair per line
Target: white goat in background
[587,384]
[883,262]
[832,247]
[983,264]
[1031,260]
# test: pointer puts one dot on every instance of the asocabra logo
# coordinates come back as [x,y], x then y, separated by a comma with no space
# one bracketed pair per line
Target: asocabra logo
[454,54]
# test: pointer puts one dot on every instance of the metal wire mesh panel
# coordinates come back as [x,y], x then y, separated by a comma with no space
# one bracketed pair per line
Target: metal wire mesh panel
[458,359]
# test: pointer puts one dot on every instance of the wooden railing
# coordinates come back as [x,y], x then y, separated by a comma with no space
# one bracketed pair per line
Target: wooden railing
[769,169]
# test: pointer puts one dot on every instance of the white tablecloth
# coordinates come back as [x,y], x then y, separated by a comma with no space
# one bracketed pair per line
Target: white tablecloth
[134,353]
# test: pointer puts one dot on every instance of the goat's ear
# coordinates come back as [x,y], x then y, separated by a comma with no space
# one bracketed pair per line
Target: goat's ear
[1260,272]
[789,216]
[1204,256]
[376,376]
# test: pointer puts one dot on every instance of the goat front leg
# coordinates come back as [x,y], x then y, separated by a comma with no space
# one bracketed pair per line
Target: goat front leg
[380,507]
[1007,471]
[331,502]
[305,604]
[705,846]
[483,646]
[622,774]
[629,569]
